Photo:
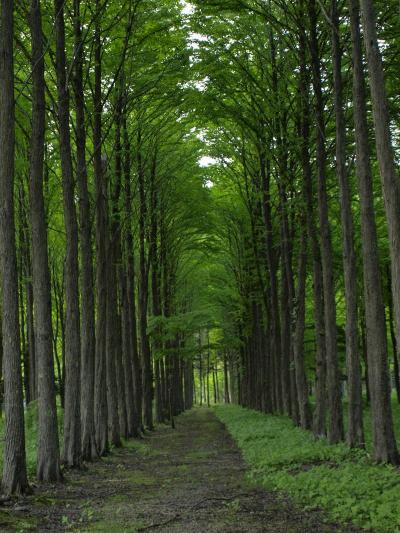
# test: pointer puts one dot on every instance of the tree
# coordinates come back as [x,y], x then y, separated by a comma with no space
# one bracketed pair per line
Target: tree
[335,423]
[14,479]
[355,434]
[89,448]
[72,422]
[48,467]
[384,442]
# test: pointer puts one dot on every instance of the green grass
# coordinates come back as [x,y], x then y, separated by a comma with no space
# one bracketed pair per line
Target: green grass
[344,482]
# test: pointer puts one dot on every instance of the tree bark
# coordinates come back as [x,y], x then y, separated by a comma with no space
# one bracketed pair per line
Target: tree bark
[396,369]
[14,479]
[89,449]
[72,422]
[385,449]
[113,357]
[48,457]
[355,431]
[384,149]
[335,416]
[227,398]
[155,287]
[100,389]
[319,428]
[131,360]
[298,338]
[143,295]
[111,345]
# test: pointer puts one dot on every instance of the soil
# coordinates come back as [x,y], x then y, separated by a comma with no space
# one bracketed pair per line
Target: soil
[191,479]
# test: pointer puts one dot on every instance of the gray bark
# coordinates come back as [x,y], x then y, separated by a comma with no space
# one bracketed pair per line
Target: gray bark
[385,449]
[48,459]
[14,479]
[72,417]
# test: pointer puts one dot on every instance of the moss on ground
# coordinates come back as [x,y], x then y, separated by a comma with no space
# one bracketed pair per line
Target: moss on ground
[11,521]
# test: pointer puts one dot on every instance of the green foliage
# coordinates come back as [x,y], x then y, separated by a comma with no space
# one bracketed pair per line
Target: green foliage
[344,482]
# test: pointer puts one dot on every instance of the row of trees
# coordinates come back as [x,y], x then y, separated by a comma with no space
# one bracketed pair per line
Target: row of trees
[107,225]
[303,117]
[119,252]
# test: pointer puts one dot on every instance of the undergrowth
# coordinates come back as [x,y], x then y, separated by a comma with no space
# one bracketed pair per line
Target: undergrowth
[31,436]
[346,483]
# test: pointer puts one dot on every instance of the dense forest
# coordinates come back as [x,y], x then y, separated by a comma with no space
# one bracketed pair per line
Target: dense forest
[200,203]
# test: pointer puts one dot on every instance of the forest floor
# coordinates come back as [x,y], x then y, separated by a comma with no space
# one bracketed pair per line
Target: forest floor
[188,479]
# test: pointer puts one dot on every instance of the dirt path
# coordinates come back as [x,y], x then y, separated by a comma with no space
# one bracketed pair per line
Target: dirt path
[187,480]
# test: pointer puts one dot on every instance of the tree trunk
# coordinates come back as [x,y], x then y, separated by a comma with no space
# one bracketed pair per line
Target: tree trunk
[335,418]
[111,342]
[274,319]
[188,378]
[48,459]
[155,287]
[14,466]
[89,449]
[208,369]
[113,357]
[72,423]
[298,338]
[319,428]
[385,449]
[286,306]
[227,398]
[200,373]
[355,432]
[131,360]
[143,296]
[384,149]
[100,387]
[396,369]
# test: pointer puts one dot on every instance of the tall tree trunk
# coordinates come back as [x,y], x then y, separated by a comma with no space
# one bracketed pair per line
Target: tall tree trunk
[188,378]
[24,348]
[385,449]
[335,416]
[227,398]
[396,369]
[143,295]
[24,265]
[113,359]
[298,338]
[384,149]
[30,329]
[319,428]
[48,460]
[286,308]
[355,431]
[200,373]
[365,357]
[111,344]
[274,319]
[72,417]
[58,291]
[208,369]
[100,387]
[155,286]
[126,357]
[14,466]
[89,449]
[131,360]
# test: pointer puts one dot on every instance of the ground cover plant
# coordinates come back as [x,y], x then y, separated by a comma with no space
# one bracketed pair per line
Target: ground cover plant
[343,481]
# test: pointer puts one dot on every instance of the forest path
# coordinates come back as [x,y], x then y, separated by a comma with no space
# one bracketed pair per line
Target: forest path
[191,479]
